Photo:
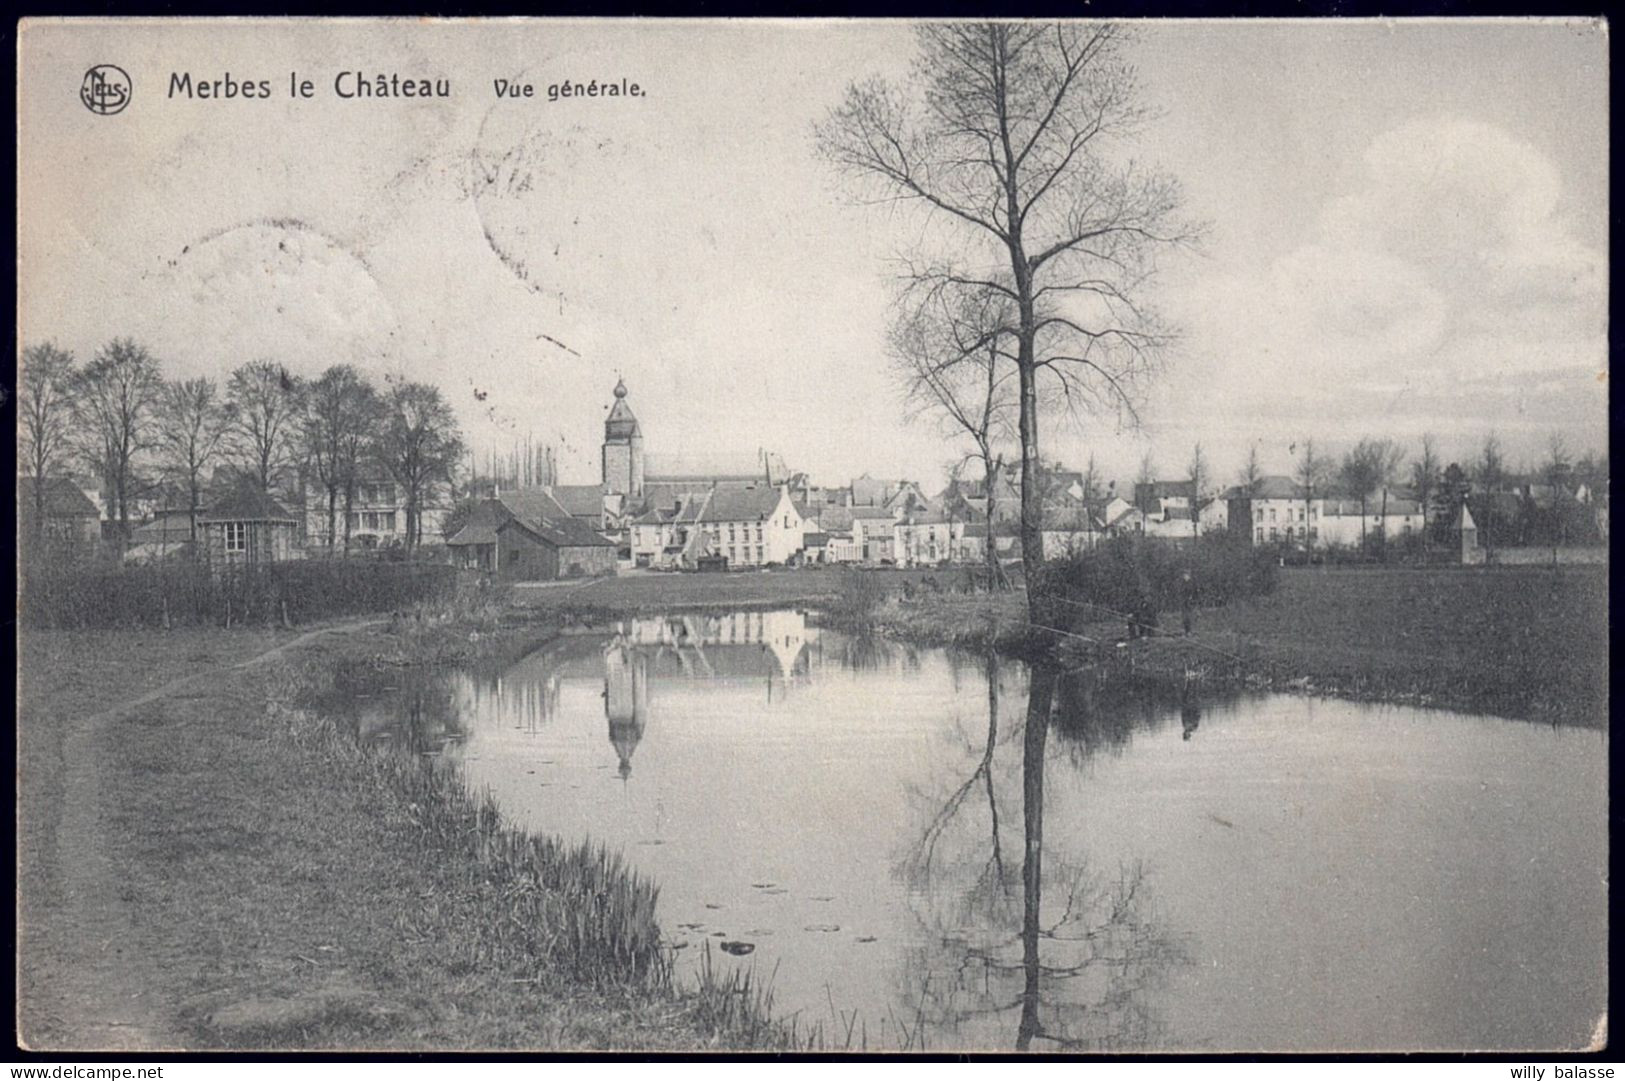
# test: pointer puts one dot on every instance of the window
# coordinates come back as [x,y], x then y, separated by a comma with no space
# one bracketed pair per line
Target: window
[1259,514]
[236,536]
[1300,514]
[1272,517]
[387,521]
[1260,533]
[1274,533]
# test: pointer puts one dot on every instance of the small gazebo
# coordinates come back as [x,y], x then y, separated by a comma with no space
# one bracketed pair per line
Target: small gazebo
[248,526]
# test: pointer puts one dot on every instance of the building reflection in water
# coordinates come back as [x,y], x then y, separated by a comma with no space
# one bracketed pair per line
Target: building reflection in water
[742,647]
[626,698]
[769,650]
[1066,956]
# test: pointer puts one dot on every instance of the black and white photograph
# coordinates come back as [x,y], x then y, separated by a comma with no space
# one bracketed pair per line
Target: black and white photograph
[819,536]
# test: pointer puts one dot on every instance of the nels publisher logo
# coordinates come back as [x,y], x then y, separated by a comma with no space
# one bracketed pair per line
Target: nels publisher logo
[106,89]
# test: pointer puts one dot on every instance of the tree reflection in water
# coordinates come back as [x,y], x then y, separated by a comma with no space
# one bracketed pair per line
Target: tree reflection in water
[1071,963]
[416,711]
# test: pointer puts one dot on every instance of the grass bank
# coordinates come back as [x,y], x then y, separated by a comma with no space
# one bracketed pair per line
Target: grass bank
[272,884]
[1528,642]
[653,592]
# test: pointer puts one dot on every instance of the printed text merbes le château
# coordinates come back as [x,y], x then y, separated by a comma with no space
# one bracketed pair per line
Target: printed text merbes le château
[346,84]
[358,84]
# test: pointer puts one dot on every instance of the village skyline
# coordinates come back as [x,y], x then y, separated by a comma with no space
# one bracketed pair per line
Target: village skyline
[1478,306]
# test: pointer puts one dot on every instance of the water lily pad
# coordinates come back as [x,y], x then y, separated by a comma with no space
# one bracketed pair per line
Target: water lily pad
[824,928]
[867,938]
[738,949]
[708,904]
[823,898]
[762,885]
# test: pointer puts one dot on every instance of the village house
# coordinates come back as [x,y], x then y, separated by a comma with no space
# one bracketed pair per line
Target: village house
[1275,511]
[70,516]
[924,538]
[248,527]
[752,527]
[1342,523]
[171,533]
[376,516]
[873,533]
[527,536]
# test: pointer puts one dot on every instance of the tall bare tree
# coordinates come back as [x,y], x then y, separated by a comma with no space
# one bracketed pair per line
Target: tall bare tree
[1251,472]
[1370,465]
[1310,472]
[1010,136]
[419,443]
[44,417]
[191,425]
[341,411]
[946,350]
[262,401]
[1199,478]
[1558,472]
[1490,477]
[1425,480]
[115,397]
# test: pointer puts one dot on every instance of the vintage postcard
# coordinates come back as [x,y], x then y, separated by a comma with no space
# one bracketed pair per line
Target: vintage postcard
[855,536]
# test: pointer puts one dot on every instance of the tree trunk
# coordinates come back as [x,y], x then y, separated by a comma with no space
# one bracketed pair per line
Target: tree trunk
[1041,695]
[1382,526]
[1032,538]
[349,512]
[990,549]
[332,516]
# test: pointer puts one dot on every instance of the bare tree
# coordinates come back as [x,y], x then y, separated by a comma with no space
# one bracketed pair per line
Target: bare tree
[340,412]
[1251,473]
[262,402]
[1490,475]
[419,443]
[1310,473]
[1199,477]
[946,351]
[191,425]
[1006,137]
[1558,471]
[116,395]
[1369,466]
[1425,481]
[44,417]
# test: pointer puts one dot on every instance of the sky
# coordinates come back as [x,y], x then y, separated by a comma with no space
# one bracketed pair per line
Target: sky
[1406,232]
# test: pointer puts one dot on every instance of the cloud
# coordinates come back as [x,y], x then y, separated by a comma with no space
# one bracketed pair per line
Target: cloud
[1444,290]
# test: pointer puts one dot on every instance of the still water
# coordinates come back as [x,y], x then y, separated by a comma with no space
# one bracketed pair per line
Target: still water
[1254,872]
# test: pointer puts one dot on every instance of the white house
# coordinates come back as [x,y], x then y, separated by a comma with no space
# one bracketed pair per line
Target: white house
[873,532]
[1341,521]
[925,537]
[751,526]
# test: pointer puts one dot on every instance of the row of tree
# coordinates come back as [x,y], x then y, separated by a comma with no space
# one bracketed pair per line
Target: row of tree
[140,433]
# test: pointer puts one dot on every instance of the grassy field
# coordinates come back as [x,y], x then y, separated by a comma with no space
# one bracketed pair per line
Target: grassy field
[643,592]
[215,868]
[1517,641]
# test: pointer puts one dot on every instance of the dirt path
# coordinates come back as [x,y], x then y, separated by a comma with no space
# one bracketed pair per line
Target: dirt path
[93,994]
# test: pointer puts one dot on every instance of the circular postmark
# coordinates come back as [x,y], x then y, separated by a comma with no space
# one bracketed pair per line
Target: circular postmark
[106,89]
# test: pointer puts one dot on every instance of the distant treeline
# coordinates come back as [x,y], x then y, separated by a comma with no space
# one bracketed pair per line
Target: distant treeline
[142,435]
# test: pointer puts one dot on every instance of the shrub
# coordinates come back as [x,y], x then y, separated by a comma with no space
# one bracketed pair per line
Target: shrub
[861,592]
[1134,575]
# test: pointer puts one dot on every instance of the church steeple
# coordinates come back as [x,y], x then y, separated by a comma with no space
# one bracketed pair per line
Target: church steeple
[623,448]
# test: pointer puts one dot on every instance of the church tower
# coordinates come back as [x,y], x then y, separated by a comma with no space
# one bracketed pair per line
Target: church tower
[623,448]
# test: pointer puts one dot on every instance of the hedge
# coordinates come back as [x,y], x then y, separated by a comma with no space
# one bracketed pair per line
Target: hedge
[187,592]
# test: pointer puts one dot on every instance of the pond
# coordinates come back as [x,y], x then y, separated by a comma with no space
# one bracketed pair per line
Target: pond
[1250,872]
